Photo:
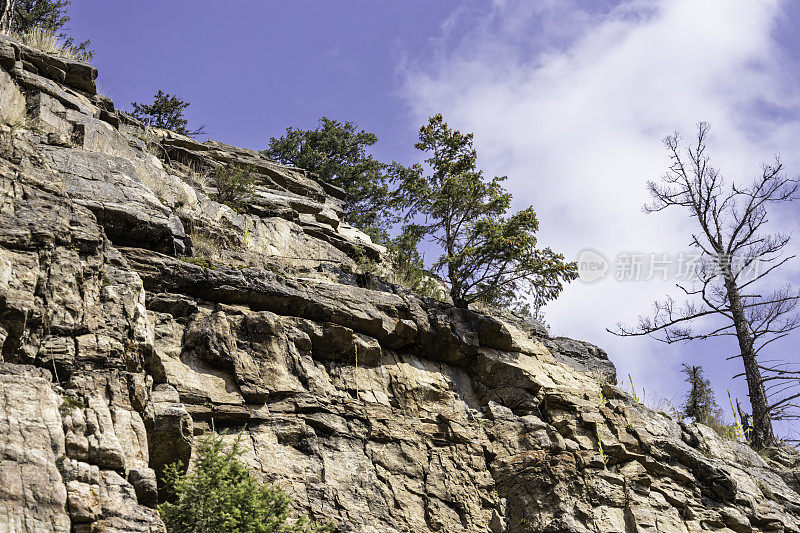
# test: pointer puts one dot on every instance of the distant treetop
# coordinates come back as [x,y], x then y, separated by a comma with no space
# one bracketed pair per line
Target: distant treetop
[166,112]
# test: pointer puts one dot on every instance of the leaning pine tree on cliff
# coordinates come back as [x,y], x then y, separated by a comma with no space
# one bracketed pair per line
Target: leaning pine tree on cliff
[487,255]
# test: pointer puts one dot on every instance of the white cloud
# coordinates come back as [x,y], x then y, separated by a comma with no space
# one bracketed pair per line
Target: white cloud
[572,102]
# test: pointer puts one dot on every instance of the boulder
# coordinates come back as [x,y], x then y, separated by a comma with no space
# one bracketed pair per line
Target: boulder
[12,102]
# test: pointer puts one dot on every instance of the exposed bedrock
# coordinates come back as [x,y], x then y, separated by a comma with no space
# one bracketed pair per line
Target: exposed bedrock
[137,313]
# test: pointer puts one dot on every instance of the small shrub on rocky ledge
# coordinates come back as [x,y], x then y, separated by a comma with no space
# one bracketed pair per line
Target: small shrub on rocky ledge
[419,281]
[766,491]
[700,404]
[234,184]
[68,403]
[204,262]
[220,495]
[423,284]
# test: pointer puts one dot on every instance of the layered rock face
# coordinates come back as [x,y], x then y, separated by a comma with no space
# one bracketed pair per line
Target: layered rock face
[137,313]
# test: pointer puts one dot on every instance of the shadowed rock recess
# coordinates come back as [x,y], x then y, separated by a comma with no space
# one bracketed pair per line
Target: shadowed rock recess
[137,313]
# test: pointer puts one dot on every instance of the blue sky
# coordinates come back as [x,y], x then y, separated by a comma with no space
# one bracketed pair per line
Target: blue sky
[252,68]
[569,98]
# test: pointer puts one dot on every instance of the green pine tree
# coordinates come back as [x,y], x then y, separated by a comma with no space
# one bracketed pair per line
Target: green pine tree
[700,405]
[337,153]
[48,15]
[487,255]
[166,112]
[220,495]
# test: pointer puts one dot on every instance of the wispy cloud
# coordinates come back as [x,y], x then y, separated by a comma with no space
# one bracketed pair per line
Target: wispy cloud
[571,101]
[336,60]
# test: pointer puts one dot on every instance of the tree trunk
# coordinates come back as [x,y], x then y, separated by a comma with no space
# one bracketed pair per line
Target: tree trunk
[761,434]
[6,14]
[745,418]
[456,290]
[458,301]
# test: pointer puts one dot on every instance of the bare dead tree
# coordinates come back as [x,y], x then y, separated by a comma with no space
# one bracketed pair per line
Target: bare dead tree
[6,14]
[736,255]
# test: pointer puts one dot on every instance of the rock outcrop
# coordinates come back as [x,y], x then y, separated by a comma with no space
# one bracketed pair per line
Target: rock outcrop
[137,313]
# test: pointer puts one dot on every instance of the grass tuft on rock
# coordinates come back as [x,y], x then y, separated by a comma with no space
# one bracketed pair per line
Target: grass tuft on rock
[48,42]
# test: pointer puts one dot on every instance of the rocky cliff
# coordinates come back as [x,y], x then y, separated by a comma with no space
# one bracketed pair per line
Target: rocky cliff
[137,313]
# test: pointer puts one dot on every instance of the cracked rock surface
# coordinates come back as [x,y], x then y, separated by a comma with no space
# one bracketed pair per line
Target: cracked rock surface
[137,313]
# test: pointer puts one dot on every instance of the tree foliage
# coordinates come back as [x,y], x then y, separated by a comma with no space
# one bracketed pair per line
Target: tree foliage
[166,112]
[234,184]
[49,16]
[408,264]
[699,403]
[220,495]
[487,255]
[337,153]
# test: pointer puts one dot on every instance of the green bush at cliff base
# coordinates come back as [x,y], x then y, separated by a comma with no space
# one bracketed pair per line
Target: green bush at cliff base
[220,495]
